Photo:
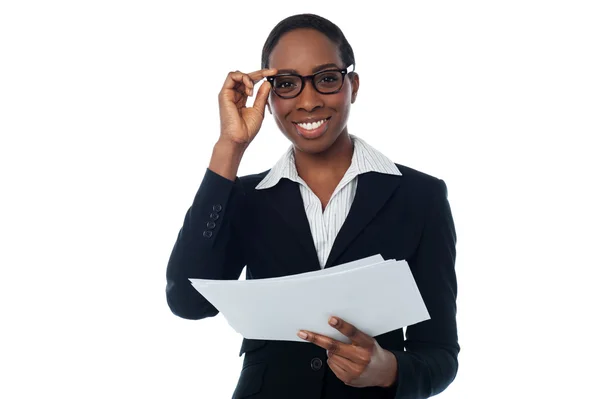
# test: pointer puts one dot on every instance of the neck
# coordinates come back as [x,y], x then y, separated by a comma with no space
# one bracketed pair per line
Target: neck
[329,164]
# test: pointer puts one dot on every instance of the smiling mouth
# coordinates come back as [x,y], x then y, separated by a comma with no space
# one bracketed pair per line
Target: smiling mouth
[311,131]
[313,125]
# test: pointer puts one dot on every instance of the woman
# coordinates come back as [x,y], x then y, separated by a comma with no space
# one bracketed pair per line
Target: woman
[330,199]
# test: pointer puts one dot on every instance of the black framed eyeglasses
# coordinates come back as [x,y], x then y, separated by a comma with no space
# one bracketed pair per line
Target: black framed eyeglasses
[290,85]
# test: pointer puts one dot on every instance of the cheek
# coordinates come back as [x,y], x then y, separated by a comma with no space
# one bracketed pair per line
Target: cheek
[280,108]
[346,95]
[279,112]
[340,101]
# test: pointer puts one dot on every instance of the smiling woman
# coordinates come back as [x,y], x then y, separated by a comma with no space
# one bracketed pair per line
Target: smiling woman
[301,54]
[332,198]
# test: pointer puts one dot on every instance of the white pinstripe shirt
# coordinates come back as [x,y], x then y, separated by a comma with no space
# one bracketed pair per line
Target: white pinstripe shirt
[325,225]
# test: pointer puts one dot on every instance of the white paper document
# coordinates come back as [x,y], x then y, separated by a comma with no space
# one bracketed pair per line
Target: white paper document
[374,295]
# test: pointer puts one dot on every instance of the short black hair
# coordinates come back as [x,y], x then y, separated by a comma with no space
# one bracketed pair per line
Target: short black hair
[312,21]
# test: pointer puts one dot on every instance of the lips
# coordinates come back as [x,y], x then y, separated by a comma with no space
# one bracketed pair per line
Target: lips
[314,133]
[311,120]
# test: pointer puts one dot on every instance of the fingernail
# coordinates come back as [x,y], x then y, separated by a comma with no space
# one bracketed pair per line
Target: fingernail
[333,321]
[302,334]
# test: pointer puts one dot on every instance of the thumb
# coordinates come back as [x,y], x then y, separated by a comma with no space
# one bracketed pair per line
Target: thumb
[261,97]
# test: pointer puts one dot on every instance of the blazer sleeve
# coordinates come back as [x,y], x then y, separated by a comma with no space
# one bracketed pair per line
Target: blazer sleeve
[430,360]
[207,246]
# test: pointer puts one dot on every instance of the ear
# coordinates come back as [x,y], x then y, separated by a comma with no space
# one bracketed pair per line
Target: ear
[355,84]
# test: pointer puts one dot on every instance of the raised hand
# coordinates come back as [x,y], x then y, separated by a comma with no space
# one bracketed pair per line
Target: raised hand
[240,124]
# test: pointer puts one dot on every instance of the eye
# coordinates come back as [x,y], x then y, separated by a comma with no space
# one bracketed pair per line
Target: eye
[284,85]
[329,79]
[286,82]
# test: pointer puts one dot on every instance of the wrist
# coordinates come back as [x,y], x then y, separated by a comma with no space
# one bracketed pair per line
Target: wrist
[226,158]
[391,376]
[225,144]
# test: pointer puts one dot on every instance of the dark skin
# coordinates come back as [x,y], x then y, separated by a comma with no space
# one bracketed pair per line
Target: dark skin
[321,163]
[362,362]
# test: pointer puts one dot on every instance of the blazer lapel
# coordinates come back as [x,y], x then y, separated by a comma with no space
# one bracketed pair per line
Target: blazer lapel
[372,192]
[285,197]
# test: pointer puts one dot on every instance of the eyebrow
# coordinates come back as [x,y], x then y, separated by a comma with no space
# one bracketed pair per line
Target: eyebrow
[314,70]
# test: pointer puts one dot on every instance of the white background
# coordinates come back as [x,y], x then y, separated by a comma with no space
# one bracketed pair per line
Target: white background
[108,115]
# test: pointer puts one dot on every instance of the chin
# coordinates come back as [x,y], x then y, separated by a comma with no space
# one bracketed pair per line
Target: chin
[315,146]
[310,145]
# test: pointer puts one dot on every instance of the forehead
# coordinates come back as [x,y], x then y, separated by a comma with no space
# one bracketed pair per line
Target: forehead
[303,49]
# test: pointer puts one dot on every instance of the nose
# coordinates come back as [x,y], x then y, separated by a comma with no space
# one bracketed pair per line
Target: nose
[309,98]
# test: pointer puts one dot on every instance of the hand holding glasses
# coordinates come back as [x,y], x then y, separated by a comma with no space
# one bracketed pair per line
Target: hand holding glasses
[240,124]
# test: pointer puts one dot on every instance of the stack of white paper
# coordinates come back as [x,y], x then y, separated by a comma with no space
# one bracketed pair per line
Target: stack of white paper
[374,295]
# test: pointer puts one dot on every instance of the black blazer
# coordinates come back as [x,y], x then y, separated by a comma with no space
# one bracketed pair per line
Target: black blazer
[230,224]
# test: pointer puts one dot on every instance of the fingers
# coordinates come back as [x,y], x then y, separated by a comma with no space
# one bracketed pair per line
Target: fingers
[347,365]
[332,345]
[354,353]
[239,86]
[262,97]
[249,85]
[358,337]
[344,373]
[341,374]
[239,79]
[256,76]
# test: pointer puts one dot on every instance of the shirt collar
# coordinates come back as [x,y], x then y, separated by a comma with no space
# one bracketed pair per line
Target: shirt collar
[364,159]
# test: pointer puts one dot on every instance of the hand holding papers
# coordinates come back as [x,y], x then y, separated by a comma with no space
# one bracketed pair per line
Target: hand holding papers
[375,295]
[362,363]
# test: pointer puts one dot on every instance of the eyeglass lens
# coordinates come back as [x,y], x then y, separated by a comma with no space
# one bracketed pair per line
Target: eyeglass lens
[325,82]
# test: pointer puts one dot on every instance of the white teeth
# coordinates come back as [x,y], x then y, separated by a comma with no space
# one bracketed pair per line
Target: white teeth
[311,126]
